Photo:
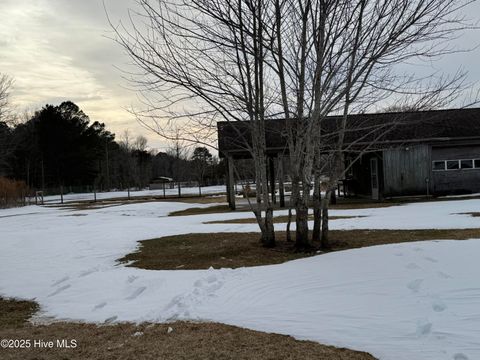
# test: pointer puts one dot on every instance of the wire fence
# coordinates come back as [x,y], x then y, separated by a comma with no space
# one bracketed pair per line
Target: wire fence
[18,194]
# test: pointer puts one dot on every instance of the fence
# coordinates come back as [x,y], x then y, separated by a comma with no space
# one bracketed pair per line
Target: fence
[16,193]
[61,195]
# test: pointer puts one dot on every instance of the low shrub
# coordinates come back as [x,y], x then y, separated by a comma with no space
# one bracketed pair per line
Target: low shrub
[12,192]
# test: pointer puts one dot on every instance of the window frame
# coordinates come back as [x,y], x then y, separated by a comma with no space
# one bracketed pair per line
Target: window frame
[438,161]
[471,168]
[446,165]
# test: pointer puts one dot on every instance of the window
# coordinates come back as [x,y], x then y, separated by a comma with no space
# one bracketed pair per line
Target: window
[439,165]
[466,164]
[453,165]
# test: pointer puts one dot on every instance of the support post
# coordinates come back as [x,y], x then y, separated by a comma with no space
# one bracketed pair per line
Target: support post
[281,185]
[271,164]
[230,183]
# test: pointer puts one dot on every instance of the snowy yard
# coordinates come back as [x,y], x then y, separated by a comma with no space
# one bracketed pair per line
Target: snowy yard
[408,301]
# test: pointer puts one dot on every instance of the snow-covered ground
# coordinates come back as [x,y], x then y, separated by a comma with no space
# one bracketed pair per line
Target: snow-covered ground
[55,199]
[407,301]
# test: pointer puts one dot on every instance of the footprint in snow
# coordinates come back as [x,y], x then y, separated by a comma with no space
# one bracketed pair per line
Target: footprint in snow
[398,254]
[412,266]
[58,282]
[417,249]
[438,306]
[415,285]
[59,290]
[424,327]
[87,272]
[443,275]
[131,279]
[110,319]
[431,259]
[136,293]
[460,356]
[100,306]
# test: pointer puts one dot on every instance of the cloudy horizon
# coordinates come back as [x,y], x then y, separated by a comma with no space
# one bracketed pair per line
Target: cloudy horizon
[57,50]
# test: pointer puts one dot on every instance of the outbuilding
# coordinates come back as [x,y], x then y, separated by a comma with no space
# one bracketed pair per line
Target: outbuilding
[433,152]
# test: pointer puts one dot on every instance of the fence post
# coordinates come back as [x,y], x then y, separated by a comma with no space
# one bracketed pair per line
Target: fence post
[164,190]
[94,193]
[61,194]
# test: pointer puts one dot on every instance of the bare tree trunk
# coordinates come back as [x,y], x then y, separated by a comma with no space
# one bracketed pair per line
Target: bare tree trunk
[289,223]
[302,242]
[317,211]
[325,241]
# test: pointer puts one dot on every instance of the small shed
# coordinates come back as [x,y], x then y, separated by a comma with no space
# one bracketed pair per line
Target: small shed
[161,182]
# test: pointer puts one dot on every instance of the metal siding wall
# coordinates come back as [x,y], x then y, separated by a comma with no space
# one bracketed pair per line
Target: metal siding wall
[405,170]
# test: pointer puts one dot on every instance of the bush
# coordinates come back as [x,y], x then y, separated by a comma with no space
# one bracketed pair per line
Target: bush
[12,192]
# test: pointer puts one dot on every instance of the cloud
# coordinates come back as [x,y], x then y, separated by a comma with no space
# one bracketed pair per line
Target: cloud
[59,49]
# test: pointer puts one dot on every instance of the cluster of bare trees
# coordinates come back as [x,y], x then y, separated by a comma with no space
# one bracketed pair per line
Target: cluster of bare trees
[5,120]
[248,61]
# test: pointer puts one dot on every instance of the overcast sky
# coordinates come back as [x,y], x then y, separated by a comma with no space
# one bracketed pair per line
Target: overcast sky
[58,50]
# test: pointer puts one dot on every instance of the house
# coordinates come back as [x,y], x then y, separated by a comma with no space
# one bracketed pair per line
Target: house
[433,152]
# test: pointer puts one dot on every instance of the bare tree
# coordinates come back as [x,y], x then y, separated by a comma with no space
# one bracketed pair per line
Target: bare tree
[245,61]
[6,138]
[140,143]
[339,57]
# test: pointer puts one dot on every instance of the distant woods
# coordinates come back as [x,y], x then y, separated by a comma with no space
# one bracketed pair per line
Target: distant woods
[60,146]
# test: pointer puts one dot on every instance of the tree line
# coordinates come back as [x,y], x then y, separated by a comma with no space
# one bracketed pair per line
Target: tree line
[58,146]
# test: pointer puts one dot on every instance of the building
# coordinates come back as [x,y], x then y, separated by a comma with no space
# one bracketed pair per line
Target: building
[161,182]
[425,152]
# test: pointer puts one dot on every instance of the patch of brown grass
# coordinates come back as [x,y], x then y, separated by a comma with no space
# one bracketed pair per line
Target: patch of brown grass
[349,239]
[233,250]
[187,341]
[246,207]
[200,251]
[276,220]
[200,211]
[473,214]
[15,313]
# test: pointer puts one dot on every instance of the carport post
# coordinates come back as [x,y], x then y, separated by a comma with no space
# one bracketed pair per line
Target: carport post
[281,185]
[271,165]
[230,183]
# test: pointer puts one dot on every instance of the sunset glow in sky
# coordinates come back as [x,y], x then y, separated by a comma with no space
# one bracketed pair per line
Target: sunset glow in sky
[59,50]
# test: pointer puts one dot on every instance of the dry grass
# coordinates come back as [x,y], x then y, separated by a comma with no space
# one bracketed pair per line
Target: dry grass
[12,192]
[187,341]
[233,250]
[200,251]
[200,211]
[276,220]
[474,214]
[350,204]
